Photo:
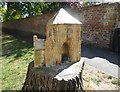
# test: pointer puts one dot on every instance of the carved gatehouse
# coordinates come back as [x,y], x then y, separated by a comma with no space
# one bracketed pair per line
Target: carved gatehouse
[62,40]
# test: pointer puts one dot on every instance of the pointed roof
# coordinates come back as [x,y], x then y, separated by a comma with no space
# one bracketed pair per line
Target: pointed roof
[63,17]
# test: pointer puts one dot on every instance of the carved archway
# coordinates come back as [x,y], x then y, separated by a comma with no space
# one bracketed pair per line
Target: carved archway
[65,52]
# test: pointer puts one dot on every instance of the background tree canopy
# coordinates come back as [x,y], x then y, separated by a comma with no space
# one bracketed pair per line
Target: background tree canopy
[17,10]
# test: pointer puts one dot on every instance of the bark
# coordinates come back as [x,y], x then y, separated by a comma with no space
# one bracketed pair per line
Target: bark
[48,78]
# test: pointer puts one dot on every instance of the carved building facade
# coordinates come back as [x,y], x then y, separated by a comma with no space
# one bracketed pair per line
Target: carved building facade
[62,38]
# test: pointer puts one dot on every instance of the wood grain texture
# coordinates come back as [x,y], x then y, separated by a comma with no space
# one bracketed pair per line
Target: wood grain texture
[57,36]
[43,79]
[39,46]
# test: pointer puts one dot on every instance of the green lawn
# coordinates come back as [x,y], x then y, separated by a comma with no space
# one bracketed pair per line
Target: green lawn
[16,55]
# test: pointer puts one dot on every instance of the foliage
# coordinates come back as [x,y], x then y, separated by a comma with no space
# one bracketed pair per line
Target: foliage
[88,3]
[2,10]
[17,10]
[14,11]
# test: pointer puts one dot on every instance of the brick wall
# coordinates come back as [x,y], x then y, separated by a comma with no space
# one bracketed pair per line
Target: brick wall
[36,24]
[99,22]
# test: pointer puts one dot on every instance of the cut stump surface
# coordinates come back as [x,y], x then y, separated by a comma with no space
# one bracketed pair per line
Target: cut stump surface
[65,77]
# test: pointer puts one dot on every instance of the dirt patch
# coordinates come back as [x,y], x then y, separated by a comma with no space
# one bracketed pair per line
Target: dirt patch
[94,79]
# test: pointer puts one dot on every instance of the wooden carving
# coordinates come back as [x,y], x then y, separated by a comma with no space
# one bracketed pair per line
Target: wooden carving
[62,40]
[39,46]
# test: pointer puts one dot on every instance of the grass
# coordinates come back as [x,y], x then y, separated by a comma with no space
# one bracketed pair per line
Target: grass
[96,80]
[116,82]
[109,77]
[16,55]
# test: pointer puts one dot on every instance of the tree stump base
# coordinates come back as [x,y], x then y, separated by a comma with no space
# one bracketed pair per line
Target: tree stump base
[65,77]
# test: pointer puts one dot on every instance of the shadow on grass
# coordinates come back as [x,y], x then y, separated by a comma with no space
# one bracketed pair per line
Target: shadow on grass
[14,47]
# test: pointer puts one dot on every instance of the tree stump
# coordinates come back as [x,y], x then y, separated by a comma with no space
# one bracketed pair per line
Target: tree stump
[64,77]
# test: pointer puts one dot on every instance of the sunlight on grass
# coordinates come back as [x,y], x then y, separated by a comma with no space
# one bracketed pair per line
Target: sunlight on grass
[16,55]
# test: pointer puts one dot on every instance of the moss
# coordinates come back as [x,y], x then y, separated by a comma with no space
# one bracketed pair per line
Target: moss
[96,81]
[116,82]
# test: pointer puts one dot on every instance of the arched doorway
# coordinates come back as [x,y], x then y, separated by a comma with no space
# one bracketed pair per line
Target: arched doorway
[65,52]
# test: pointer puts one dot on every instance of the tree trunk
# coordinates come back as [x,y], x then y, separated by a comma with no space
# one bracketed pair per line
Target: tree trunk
[65,77]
